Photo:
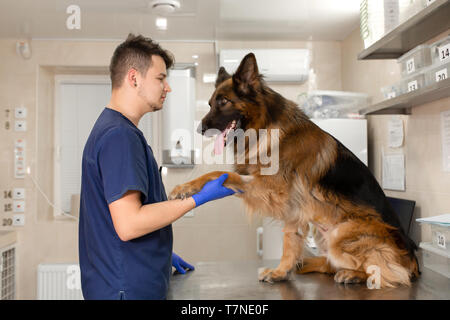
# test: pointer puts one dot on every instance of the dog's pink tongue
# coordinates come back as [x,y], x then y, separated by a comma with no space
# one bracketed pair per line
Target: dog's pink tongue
[219,143]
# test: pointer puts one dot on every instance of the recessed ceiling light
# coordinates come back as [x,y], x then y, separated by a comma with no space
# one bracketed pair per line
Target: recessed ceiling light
[161,23]
[164,7]
[195,56]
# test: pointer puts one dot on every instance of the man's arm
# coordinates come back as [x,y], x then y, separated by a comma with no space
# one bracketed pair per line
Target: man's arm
[131,219]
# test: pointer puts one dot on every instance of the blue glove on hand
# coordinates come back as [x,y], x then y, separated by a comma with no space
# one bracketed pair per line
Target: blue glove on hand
[180,265]
[213,190]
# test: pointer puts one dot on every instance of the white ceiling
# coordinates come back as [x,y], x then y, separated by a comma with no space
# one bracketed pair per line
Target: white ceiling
[195,20]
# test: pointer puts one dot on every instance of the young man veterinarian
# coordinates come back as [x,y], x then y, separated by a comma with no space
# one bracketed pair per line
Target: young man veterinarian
[125,231]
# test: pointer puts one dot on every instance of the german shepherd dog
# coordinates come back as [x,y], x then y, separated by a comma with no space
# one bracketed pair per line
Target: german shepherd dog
[319,181]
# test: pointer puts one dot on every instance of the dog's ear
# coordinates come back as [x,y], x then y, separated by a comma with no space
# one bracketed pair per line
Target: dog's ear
[247,75]
[222,76]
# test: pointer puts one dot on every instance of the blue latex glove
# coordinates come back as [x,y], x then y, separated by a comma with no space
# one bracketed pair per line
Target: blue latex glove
[180,265]
[213,190]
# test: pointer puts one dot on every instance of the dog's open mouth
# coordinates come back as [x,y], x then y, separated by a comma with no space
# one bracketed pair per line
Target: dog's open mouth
[221,139]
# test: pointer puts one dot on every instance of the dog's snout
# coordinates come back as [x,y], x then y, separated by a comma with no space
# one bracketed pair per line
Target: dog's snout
[201,128]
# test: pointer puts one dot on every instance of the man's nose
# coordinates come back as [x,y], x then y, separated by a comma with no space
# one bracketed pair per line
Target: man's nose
[167,87]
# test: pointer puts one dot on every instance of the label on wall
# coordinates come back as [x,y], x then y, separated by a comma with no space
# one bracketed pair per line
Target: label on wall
[19,159]
[445,137]
[393,174]
[395,132]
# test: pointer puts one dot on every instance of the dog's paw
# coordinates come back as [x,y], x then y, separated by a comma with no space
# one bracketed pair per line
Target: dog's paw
[349,276]
[273,275]
[183,191]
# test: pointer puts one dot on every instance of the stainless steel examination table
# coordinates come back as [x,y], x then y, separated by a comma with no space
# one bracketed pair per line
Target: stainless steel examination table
[239,280]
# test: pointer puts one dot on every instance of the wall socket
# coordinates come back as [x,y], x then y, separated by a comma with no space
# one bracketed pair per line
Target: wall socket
[20,125]
[18,193]
[18,220]
[19,206]
[21,112]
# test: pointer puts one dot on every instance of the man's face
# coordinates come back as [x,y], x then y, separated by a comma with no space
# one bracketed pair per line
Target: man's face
[154,87]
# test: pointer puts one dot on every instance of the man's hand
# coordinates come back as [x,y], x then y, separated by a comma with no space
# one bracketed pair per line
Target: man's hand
[213,190]
[180,265]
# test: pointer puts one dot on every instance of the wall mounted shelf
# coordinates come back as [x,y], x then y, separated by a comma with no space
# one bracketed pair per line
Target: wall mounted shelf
[403,103]
[420,28]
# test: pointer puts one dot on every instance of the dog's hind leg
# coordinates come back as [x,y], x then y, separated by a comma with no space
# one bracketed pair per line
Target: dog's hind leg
[350,276]
[355,251]
[315,264]
[292,251]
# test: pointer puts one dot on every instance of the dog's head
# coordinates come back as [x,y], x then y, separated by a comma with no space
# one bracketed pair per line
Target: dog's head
[236,102]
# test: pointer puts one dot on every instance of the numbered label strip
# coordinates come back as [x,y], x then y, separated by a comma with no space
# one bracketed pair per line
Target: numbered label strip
[441,75]
[444,52]
[410,67]
[413,85]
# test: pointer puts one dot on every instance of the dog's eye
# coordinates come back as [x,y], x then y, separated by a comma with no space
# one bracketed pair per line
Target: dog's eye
[223,101]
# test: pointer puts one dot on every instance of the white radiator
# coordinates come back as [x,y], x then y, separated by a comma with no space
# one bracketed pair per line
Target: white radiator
[59,281]
[8,273]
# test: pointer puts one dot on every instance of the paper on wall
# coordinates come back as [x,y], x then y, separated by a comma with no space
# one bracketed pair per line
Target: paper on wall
[445,137]
[394,172]
[395,127]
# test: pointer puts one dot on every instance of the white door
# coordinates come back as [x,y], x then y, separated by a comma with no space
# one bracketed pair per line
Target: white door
[79,102]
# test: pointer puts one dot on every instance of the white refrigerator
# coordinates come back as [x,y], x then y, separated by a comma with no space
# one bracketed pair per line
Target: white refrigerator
[352,133]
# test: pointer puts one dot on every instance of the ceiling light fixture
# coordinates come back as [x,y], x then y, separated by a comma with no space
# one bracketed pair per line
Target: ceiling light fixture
[161,23]
[164,7]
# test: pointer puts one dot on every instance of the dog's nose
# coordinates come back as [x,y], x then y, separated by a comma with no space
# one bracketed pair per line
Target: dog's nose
[201,128]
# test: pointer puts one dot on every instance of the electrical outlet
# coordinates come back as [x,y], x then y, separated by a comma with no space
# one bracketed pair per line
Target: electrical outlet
[21,112]
[18,193]
[20,125]
[19,206]
[18,220]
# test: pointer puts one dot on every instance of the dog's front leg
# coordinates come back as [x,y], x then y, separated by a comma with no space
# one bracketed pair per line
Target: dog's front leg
[234,181]
[292,252]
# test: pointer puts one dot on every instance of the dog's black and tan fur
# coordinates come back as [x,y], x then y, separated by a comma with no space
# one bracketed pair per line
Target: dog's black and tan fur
[319,181]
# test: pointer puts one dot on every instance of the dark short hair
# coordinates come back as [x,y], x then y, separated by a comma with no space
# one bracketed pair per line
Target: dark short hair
[135,52]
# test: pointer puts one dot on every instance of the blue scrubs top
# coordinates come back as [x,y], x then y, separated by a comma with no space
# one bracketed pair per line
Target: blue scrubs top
[117,159]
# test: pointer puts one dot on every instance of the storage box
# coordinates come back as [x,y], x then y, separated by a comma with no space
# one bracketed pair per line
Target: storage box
[333,104]
[413,82]
[377,18]
[440,237]
[392,91]
[435,259]
[415,60]
[437,73]
[440,51]
[409,8]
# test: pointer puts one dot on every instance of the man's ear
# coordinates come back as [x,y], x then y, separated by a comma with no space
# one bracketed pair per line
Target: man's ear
[247,78]
[222,76]
[132,77]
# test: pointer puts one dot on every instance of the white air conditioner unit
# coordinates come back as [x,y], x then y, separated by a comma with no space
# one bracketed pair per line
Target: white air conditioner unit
[277,65]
